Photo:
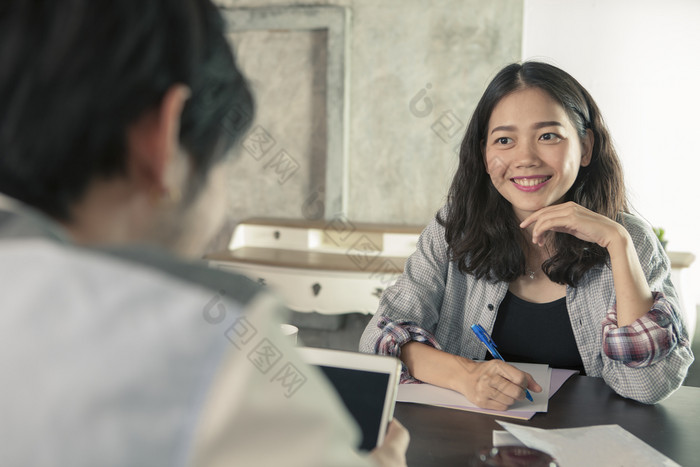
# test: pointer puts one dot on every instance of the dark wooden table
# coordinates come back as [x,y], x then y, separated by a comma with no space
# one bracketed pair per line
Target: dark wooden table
[446,437]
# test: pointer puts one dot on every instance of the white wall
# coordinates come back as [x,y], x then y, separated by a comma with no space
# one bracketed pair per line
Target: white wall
[640,59]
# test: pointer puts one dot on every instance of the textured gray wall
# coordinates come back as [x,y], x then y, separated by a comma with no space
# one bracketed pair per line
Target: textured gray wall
[286,69]
[417,69]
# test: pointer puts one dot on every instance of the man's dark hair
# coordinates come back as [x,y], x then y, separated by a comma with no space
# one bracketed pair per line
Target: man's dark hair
[481,228]
[74,74]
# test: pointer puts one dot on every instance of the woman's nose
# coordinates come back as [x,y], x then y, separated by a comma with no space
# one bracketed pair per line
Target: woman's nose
[526,156]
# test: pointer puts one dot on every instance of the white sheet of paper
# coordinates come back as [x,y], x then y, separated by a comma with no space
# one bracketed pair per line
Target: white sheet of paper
[434,395]
[591,445]
[504,438]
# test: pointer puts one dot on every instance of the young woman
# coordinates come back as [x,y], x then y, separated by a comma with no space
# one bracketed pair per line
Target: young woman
[537,245]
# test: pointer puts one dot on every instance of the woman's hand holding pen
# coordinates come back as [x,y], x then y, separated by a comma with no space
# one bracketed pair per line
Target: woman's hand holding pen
[493,384]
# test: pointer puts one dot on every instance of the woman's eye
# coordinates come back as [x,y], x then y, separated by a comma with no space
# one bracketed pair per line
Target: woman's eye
[503,140]
[550,137]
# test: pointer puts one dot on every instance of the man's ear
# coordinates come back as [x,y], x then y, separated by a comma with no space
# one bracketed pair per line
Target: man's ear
[153,141]
[587,148]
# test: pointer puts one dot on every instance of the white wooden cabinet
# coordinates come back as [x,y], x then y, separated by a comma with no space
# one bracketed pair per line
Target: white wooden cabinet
[330,267]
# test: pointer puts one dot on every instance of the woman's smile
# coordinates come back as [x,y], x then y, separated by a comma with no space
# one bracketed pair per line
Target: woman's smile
[530,183]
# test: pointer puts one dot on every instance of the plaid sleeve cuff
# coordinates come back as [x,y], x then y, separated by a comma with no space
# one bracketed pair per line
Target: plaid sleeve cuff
[646,341]
[397,333]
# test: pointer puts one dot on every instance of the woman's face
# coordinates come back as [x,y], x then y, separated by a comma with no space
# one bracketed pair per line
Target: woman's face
[532,151]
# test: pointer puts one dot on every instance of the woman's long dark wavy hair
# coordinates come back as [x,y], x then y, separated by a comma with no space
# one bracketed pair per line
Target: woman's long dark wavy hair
[481,228]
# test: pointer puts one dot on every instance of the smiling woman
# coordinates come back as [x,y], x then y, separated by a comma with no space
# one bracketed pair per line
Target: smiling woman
[540,156]
[556,110]
[536,241]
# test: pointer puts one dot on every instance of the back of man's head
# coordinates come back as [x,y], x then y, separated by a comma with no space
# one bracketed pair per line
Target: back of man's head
[75,73]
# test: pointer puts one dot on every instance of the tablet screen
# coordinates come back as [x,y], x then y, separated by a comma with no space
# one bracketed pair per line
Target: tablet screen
[363,393]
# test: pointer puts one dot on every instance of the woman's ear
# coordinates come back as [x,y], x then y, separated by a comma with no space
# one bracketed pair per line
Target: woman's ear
[153,142]
[587,148]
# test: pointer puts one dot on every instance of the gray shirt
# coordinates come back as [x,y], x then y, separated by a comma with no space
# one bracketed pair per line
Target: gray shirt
[434,295]
[134,358]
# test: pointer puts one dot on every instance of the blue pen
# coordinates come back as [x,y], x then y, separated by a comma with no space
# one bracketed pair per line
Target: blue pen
[491,345]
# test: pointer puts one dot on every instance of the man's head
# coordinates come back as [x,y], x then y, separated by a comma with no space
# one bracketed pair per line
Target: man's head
[145,93]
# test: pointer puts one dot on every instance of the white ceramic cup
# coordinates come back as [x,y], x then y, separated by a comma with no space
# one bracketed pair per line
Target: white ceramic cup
[290,331]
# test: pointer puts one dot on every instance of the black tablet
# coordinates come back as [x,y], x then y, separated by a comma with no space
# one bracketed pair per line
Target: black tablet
[366,383]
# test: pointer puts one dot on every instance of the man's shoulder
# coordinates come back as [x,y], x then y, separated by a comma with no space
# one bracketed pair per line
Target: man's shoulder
[17,220]
[135,271]
[20,224]
[236,287]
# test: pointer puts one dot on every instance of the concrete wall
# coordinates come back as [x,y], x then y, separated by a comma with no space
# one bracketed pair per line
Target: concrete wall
[417,69]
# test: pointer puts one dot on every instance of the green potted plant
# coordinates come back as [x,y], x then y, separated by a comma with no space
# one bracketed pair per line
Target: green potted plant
[660,234]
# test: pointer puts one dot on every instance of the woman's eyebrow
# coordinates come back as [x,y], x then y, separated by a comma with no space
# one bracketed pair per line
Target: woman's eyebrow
[546,124]
[536,126]
[503,128]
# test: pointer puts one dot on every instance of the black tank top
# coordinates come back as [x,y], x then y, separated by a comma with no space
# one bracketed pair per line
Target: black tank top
[536,333]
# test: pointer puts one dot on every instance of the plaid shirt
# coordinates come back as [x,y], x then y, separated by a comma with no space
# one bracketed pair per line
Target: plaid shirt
[434,303]
[644,342]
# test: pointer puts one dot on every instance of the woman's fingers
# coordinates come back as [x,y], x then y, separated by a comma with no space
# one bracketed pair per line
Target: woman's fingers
[532,384]
[559,223]
[568,218]
[532,218]
[499,385]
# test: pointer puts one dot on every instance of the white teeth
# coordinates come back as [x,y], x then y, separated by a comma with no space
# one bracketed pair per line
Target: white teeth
[530,181]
